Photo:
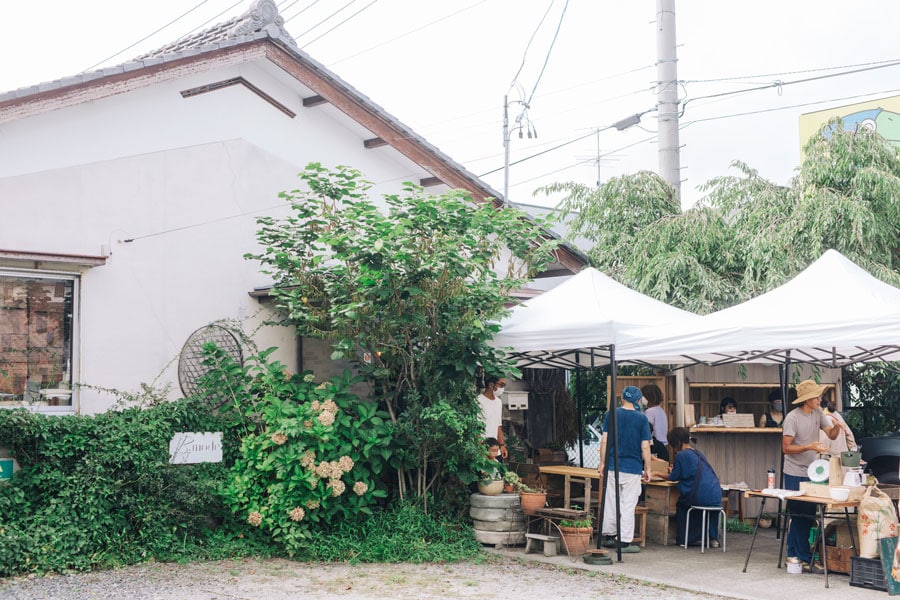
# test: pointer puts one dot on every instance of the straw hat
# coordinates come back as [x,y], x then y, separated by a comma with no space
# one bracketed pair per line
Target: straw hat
[808,389]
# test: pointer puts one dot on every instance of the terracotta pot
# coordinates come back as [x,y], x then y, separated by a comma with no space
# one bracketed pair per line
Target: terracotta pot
[576,539]
[532,501]
[490,488]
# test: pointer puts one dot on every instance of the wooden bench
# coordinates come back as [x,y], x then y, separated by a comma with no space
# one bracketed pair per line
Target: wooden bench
[549,543]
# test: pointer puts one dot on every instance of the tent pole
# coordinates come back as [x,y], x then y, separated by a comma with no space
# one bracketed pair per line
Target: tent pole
[580,421]
[614,427]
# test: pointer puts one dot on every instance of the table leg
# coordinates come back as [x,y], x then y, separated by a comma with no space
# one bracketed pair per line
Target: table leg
[567,493]
[762,506]
[822,542]
[587,495]
[850,531]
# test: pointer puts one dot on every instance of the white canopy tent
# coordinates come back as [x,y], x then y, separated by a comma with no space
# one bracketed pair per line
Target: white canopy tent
[832,314]
[577,323]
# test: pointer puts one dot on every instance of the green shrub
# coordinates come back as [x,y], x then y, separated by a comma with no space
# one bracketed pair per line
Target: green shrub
[402,533]
[98,491]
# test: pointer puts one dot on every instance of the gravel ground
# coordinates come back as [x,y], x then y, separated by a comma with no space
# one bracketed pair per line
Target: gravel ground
[276,579]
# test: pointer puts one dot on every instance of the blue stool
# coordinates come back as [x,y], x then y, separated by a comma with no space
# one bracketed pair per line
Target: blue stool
[704,525]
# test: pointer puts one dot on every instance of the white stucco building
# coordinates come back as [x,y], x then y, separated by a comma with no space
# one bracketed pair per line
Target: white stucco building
[130,195]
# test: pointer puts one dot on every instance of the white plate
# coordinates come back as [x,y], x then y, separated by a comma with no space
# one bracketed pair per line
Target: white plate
[818,471]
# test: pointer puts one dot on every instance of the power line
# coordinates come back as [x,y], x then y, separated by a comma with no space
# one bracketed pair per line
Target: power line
[402,35]
[766,110]
[549,51]
[780,84]
[328,18]
[339,24]
[761,75]
[211,19]
[528,45]
[146,37]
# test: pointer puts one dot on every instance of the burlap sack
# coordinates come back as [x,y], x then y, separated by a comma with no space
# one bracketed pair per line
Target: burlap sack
[876,519]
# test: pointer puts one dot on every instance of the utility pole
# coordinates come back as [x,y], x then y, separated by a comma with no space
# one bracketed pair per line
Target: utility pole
[667,104]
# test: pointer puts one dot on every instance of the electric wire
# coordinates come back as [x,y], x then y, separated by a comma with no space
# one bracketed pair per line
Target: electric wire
[815,70]
[402,35]
[146,37]
[528,45]
[767,110]
[210,20]
[299,12]
[780,84]
[323,21]
[338,25]
[549,51]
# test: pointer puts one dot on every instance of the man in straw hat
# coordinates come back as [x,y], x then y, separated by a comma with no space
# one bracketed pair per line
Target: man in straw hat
[801,446]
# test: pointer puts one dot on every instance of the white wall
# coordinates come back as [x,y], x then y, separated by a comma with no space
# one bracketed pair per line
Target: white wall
[184,178]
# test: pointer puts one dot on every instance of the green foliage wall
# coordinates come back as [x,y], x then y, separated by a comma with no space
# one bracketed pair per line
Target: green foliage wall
[98,491]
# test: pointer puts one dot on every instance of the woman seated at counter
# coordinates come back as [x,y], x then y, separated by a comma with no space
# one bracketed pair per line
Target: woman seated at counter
[775,415]
[698,486]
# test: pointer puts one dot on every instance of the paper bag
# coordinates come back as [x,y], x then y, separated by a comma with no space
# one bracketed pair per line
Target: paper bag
[875,520]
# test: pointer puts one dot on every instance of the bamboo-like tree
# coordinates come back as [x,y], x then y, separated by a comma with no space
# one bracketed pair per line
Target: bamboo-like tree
[748,235]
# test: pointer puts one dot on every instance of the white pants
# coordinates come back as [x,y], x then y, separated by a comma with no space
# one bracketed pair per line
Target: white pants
[629,493]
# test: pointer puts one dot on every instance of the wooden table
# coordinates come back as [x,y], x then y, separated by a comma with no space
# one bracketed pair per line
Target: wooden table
[579,475]
[824,506]
[660,498]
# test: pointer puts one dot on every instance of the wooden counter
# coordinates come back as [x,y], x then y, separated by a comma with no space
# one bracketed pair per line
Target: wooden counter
[741,454]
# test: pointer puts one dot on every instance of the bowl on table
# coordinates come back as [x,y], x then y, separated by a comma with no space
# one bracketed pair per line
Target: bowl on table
[840,494]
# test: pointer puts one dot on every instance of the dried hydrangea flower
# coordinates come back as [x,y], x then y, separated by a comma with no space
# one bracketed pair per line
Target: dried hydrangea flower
[360,488]
[337,487]
[279,438]
[255,519]
[297,514]
[345,463]
[312,504]
[326,418]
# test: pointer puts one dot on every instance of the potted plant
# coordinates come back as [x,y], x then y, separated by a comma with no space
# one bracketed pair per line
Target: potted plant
[531,498]
[490,479]
[576,535]
[766,520]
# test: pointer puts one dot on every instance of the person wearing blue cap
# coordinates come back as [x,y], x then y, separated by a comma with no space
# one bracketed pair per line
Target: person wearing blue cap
[633,448]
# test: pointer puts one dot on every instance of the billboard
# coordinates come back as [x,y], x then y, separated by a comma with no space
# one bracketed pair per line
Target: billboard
[882,116]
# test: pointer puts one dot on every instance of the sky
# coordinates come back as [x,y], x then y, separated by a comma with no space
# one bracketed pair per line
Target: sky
[444,68]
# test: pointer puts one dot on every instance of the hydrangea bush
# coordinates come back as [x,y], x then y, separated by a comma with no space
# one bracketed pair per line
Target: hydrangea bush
[313,455]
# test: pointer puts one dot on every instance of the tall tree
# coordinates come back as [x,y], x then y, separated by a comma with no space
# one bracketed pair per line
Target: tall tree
[410,292]
[747,235]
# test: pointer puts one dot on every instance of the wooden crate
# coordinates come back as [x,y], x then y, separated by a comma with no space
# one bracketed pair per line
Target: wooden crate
[839,558]
[820,490]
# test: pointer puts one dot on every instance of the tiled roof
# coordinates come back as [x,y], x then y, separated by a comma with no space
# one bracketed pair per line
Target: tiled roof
[262,17]
[260,21]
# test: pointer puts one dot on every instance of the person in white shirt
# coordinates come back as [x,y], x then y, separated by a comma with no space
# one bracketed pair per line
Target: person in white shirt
[659,421]
[492,410]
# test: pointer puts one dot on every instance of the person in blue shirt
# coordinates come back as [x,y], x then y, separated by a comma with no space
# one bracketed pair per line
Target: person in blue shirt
[698,485]
[633,446]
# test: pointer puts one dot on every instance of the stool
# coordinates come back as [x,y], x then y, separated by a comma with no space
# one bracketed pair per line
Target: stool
[704,525]
[640,515]
[548,541]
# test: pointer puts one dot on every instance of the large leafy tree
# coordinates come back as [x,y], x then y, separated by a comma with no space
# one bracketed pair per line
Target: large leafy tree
[749,235]
[410,291]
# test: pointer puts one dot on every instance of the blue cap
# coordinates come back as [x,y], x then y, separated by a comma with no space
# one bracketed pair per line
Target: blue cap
[632,394]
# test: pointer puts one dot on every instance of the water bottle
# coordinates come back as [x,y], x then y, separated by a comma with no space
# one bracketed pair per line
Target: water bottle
[770,481]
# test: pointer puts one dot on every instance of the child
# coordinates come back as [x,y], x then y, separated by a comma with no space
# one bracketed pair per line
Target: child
[493,447]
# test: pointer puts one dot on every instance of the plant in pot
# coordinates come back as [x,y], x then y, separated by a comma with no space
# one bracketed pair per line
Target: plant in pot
[531,498]
[766,520]
[490,479]
[576,535]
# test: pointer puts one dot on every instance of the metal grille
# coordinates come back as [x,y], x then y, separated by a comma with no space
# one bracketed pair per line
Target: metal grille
[190,364]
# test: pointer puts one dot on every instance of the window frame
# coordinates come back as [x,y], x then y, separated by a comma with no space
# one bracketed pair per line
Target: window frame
[75,358]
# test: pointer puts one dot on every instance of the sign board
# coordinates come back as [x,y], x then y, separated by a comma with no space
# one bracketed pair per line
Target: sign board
[6,469]
[195,447]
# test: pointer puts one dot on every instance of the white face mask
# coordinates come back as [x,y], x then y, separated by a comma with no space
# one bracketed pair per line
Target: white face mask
[499,390]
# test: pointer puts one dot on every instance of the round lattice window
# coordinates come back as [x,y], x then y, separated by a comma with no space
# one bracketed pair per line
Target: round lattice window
[190,364]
